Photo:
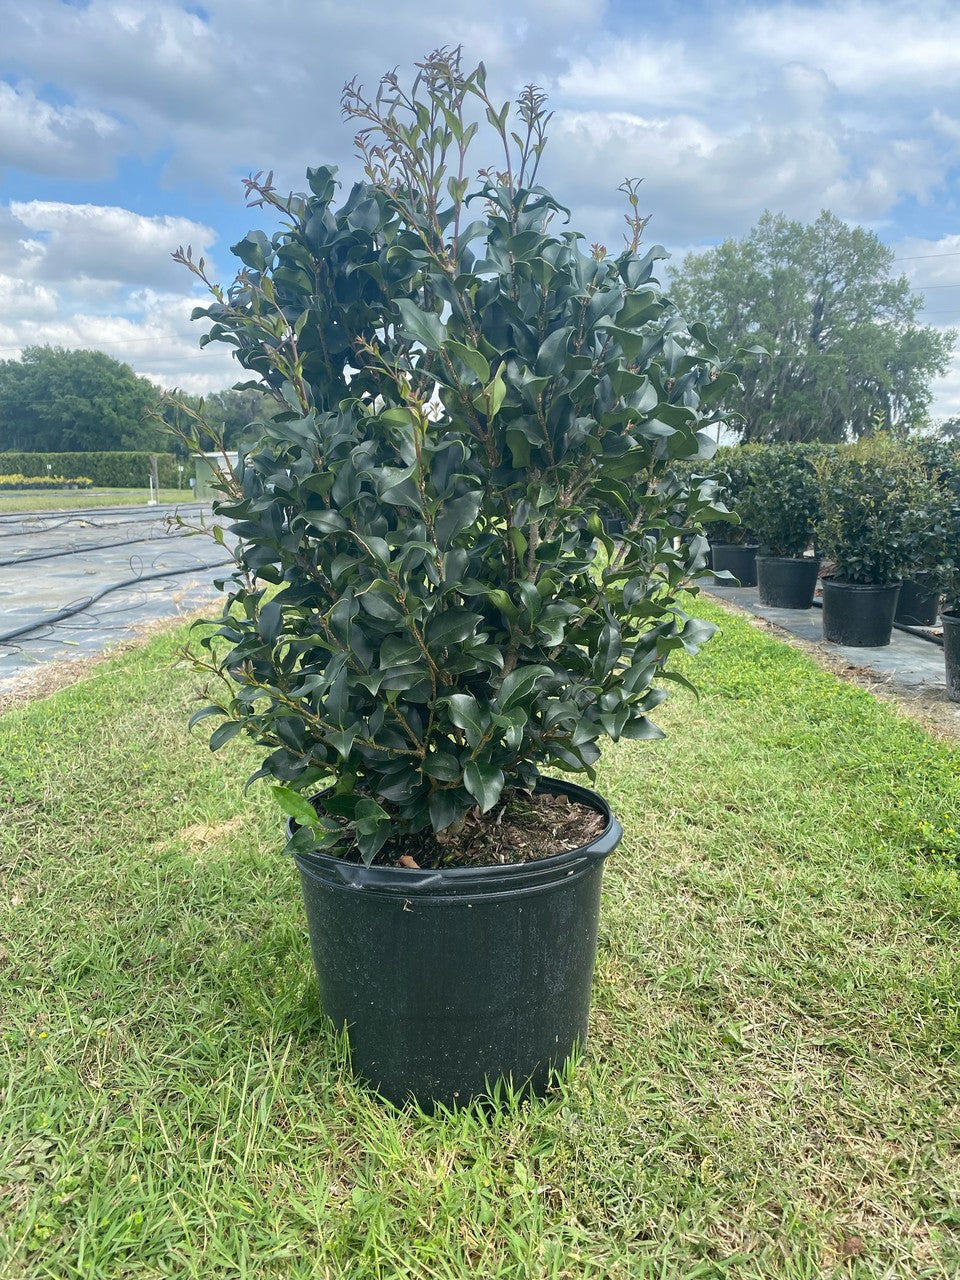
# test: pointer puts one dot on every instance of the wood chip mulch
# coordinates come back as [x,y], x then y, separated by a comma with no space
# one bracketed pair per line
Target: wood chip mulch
[524,828]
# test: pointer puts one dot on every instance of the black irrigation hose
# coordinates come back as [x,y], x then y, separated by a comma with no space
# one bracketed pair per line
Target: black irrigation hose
[87,524]
[74,551]
[39,522]
[87,603]
[79,550]
[47,528]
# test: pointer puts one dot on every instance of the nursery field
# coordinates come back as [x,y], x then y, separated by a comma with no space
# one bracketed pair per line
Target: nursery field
[77,499]
[772,1086]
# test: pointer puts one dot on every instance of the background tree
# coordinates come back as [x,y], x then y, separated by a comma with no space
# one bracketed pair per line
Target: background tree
[230,412]
[846,353]
[218,420]
[53,400]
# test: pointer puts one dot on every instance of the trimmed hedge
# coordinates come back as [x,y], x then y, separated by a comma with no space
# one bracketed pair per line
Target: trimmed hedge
[44,482]
[111,470]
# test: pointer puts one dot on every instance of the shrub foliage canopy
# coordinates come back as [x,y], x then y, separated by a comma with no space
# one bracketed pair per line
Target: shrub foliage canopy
[467,394]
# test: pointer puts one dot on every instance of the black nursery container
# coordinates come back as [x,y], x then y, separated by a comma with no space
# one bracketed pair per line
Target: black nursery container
[740,561]
[450,980]
[918,604]
[859,614]
[787,582]
[951,654]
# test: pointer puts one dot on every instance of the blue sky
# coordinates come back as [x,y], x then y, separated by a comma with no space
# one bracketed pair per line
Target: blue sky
[125,128]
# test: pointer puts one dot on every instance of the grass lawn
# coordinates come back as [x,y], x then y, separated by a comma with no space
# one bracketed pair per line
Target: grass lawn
[73,499]
[771,1090]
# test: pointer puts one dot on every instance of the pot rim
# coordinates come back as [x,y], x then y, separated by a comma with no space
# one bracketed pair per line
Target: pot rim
[489,876]
[804,559]
[831,581]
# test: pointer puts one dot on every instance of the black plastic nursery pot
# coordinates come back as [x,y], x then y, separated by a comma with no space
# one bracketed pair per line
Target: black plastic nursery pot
[918,604]
[615,526]
[787,582]
[740,561]
[450,980]
[951,654]
[859,614]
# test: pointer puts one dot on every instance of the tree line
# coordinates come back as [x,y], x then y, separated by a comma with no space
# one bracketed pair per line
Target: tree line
[838,352]
[54,400]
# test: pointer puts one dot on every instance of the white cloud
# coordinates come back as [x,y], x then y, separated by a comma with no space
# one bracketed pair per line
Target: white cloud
[22,300]
[864,47]
[933,269]
[80,242]
[636,74]
[697,178]
[257,85]
[101,278]
[42,138]
[723,110]
[946,392]
[156,339]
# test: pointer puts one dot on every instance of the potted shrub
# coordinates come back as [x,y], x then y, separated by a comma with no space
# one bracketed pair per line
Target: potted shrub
[948,578]
[781,505]
[919,601]
[733,543]
[928,545]
[871,500]
[946,572]
[428,619]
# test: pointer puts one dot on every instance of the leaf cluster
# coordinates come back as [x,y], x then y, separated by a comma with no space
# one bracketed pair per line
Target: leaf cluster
[732,471]
[427,609]
[781,501]
[874,499]
[938,553]
[55,400]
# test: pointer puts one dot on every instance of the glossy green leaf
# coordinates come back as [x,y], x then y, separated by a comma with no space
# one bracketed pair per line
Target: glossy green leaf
[453,626]
[423,326]
[477,363]
[296,806]
[465,714]
[457,515]
[519,683]
[552,355]
[484,782]
[224,733]
[445,809]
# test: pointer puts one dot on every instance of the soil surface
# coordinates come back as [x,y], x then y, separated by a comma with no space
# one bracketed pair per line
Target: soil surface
[527,827]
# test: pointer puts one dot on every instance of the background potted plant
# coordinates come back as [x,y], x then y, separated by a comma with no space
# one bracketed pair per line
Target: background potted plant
[872,498]
[946,570]
[427,615]
[948,577]
[919,601]
[781,505]
[928,545]
[733,543]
